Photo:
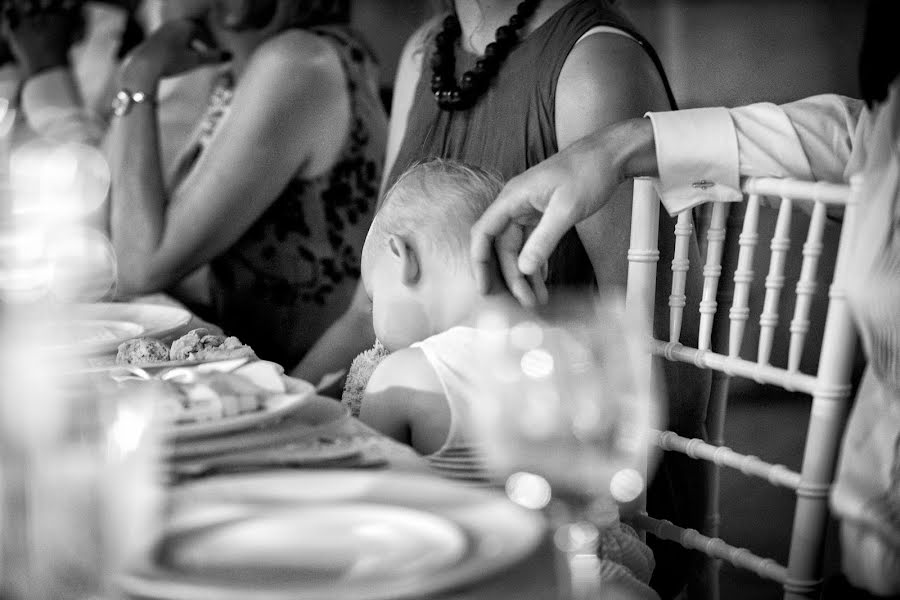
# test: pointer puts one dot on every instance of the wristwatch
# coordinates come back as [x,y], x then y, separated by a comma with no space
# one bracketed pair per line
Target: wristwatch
[125,99]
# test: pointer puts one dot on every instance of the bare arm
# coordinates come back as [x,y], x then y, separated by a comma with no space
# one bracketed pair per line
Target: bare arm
[290,109]
[409,69]
[404,400]
[819,134]
[607,78]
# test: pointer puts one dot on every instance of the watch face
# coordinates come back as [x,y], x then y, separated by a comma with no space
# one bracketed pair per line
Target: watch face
[121,103]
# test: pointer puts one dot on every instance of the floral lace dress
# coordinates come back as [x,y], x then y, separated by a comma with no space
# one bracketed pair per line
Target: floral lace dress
[295,270]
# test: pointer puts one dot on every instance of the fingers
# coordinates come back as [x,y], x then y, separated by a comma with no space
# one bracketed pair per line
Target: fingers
[508,245]
[557,219]
[539,287]
[203,43]
[481,246]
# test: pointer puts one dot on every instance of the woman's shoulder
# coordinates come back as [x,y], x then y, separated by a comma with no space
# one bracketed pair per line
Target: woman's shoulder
[294,52]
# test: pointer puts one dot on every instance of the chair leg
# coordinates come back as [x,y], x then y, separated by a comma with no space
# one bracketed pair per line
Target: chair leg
[715,428]
[828,415]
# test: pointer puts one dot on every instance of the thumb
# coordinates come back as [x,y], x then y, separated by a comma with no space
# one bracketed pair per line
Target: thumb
[557,219]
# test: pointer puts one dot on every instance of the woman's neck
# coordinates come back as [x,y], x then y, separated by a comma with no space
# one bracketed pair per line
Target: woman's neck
[479,19]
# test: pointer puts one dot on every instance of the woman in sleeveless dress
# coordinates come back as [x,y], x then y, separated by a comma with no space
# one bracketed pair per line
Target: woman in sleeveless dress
[578,65]
[278,190]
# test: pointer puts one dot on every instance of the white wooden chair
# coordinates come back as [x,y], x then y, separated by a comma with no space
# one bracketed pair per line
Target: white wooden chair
[829,388]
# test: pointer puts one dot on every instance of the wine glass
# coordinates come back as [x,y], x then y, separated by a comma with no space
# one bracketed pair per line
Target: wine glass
[565,416]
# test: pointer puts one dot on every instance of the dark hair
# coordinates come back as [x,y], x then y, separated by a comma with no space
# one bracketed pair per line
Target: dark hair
[300,13]
[307,13]
[879,59]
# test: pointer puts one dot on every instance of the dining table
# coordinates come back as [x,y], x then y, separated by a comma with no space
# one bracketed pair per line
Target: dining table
[288,446]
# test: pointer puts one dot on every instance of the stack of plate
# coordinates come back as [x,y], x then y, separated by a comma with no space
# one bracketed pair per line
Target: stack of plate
[461,463]
[320,535]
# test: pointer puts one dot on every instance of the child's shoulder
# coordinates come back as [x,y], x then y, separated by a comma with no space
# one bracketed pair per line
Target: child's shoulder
[404,369]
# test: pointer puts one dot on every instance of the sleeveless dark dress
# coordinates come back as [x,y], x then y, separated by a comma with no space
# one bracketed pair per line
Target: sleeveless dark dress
[295,270]
[512,126]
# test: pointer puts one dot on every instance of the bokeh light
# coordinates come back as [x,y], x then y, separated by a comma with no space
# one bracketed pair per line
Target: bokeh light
[528,490]
[626,485]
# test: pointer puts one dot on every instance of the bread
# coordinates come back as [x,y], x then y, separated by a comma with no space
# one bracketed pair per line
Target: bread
[199,344]
[142,351]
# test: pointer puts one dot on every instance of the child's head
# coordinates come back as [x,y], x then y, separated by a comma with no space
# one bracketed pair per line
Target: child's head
[415,263]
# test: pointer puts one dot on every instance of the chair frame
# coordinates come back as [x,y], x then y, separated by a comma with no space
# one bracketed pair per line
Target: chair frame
[719,346]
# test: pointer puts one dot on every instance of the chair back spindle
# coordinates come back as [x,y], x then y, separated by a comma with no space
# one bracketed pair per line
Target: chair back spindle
[724,318]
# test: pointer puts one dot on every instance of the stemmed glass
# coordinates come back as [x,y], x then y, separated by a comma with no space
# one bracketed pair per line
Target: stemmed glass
[565,415]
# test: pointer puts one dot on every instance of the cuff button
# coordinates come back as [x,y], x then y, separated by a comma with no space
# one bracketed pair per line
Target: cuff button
[703,184]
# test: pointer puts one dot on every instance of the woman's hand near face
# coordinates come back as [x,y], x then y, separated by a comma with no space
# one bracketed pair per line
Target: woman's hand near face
[40,36]
[174,48]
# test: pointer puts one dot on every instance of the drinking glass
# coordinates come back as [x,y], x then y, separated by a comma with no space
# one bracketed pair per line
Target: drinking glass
[565,416]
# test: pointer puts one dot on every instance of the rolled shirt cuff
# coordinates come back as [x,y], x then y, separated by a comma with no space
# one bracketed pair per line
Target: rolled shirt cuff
[697,155]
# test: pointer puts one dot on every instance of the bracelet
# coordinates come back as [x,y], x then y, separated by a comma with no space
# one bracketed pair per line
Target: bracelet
[125,99]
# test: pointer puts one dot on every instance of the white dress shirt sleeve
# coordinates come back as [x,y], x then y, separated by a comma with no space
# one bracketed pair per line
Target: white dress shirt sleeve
[702,153]
[697,154]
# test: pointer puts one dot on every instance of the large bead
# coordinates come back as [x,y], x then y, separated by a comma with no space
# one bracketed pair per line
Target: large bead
[506,35]
[526,8]
[516,22]
[487,65]
[442,40]
[495,50]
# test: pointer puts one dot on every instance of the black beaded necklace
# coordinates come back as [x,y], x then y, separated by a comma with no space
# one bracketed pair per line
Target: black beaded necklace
[451,95]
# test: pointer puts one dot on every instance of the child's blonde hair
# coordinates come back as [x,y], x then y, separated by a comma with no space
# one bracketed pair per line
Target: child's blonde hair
[437,201]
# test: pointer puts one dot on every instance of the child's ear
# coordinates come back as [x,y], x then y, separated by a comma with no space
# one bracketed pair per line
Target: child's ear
[410,267]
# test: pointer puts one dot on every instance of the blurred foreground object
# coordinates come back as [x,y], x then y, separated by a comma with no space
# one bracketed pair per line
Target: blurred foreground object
[567,414]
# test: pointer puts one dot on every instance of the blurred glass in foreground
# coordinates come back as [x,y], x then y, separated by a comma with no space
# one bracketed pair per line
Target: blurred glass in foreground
[78,462]
[568,406]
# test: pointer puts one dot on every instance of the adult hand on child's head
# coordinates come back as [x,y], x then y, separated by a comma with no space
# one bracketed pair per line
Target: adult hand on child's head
[552,197]
[40,32]
[174,48]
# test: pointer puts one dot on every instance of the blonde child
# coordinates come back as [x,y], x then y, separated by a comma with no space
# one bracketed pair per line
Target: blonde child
[415,269]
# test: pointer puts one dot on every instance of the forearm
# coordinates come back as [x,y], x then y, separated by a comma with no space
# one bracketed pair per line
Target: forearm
[137,217]
[338,346]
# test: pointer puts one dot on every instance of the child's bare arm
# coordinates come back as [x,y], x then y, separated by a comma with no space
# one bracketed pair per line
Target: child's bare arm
[404,400]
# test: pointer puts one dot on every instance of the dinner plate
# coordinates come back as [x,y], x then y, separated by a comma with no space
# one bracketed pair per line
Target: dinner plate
[275,407]
[123,321]
[303,419]
[331,534]
[86,336]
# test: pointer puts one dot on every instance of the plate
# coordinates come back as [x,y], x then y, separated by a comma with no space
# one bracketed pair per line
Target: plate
[86,336]
[304,418]
[331,534]
[274,408]
[150,320]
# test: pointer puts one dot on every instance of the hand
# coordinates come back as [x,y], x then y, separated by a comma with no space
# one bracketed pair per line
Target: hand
[40,33]
[174,48]
[551,198]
